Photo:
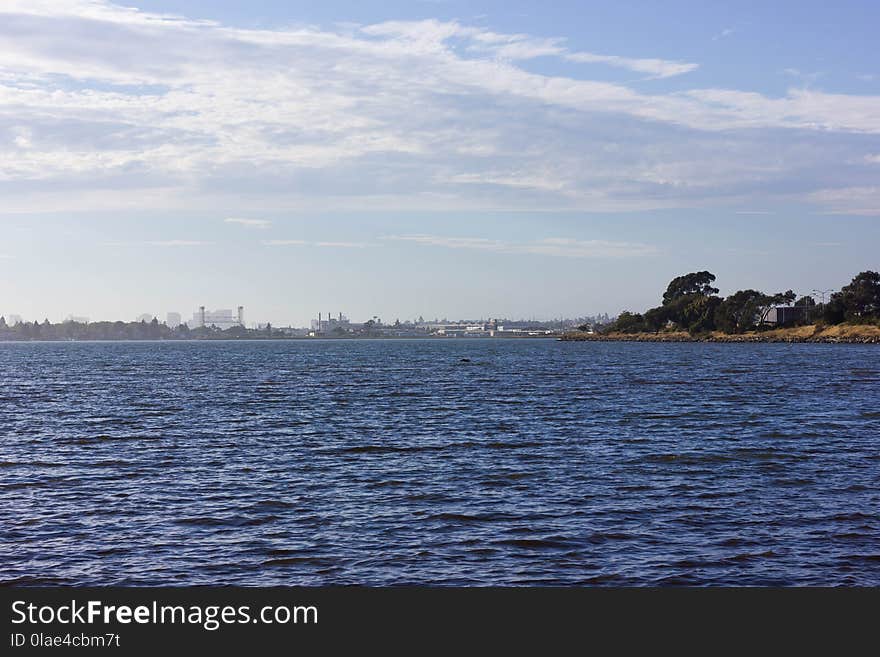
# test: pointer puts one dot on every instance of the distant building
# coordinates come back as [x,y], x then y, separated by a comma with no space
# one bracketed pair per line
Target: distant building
[785,315]
[12,320]
[77,320]
[173,320]
[146,317]
[330,324]
[222,319]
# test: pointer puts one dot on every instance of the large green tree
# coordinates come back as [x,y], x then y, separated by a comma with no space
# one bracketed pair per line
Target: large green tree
[699,282]
[628,322]
[858,301]
[745,309]
[737,313]
[690,302]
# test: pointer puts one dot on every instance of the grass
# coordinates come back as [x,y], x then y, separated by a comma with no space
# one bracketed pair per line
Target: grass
[811,333]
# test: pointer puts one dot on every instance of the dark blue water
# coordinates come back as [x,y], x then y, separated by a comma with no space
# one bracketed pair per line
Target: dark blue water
[394,462]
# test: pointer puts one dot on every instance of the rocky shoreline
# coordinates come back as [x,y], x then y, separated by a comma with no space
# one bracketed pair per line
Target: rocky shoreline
[803,334]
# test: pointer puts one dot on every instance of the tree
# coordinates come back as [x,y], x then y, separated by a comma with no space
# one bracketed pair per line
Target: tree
[771,301]
[628,322]
[656,318]
[808,303]
[834,311]
[689,302]
[737,313]
[694,283]
[860,299]
[698,315]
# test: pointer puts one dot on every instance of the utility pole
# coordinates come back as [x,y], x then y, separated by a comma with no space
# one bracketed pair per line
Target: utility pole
[821,293]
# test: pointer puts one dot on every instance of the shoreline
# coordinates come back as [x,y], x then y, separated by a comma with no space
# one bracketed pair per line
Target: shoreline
[837,334]
[555,336]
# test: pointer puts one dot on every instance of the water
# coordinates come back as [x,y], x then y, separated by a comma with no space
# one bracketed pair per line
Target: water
[400,462]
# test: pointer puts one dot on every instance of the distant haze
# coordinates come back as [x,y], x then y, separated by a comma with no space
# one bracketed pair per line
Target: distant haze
[444,159]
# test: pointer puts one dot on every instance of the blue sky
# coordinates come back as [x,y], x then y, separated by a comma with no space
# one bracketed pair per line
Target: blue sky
[457,159]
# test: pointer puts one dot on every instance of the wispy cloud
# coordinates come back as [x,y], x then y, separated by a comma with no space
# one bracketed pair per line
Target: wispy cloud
[249,223]
[553,246]
[160,243]
[807,78]
[761,253]
[849,200]
[516,179]
[658,68]
[331,245]
[344,245]
[260,120]
[723,34]
[450,242]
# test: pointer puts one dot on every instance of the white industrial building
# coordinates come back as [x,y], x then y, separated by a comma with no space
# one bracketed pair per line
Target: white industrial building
[222,319]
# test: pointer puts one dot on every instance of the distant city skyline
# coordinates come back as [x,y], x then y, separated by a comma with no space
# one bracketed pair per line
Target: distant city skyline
[224,319]
[458,159]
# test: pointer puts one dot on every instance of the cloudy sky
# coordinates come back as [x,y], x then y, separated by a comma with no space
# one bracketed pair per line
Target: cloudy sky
[436,158]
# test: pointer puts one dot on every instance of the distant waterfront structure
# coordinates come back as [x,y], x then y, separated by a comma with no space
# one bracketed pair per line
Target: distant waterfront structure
[14,320]
[173,320]
[322,325]
[222,319]
[785,315]
[76,319]
[146,318]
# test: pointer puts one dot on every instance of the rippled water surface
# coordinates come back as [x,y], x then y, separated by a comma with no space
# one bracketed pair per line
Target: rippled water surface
[446,462]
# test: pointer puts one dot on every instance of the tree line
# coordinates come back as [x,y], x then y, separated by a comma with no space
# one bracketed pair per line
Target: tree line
[127,331]
[691,303]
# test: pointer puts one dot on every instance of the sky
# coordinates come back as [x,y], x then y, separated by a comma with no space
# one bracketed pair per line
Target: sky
[438,158]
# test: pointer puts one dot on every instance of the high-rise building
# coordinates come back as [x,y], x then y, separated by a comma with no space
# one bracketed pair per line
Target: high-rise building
[222,319]
[172,319]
